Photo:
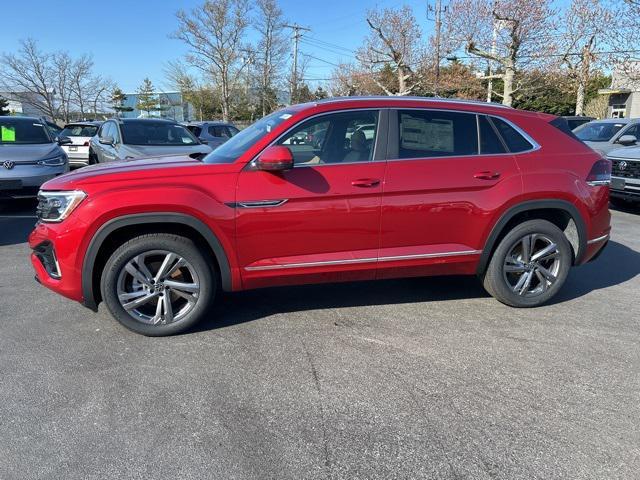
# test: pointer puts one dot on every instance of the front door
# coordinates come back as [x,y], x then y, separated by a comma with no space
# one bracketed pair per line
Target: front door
[319,221]
[447,173]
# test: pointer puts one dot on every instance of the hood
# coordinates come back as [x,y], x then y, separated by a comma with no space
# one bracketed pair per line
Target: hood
[632,153]
[146,167]
[156,150]
[28,153]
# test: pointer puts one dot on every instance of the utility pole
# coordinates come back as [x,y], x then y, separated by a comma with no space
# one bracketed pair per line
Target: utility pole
[437,10]
[294,72]
[493,52]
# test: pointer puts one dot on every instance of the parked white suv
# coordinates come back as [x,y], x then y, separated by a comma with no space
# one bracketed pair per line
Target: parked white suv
[80,134]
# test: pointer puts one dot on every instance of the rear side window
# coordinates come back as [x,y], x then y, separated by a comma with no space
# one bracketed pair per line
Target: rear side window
[219,131]
[490,143]
[195,130]
[514,140]
[433,133]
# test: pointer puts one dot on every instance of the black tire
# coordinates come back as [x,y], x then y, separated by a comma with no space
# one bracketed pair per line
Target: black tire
[153,248]
[92,158]
[499,280]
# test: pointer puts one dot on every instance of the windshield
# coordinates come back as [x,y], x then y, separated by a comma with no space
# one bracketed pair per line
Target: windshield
[233,148]
[19,131]
[145,132]
[598,131]
[79,131]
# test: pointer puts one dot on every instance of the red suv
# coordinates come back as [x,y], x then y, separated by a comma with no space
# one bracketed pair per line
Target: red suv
[389,187]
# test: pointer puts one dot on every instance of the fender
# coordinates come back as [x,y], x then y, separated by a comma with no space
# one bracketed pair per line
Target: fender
[109,227]
[529,206]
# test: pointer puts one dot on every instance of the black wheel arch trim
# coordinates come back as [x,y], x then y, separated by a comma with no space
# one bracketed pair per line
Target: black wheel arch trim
[531,205]
[112,225]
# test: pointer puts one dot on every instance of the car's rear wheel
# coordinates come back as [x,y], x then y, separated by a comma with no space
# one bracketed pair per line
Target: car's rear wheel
[92,158]
[530,264]
[158,284]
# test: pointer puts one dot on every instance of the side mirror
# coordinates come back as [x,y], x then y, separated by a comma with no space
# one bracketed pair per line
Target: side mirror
[275,159]
[106,140]
[64,141]
[627,140]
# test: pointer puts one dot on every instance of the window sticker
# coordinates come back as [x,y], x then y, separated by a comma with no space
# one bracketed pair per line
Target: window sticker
[421,134]
[7,134]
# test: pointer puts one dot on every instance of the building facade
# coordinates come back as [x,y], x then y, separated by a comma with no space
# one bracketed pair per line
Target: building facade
[169,105]
[624,92]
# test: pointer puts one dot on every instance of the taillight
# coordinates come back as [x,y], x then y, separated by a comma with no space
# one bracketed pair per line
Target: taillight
[85,144]
[600,173]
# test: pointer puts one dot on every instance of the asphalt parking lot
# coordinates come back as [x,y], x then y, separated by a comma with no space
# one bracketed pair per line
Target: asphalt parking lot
[418,378]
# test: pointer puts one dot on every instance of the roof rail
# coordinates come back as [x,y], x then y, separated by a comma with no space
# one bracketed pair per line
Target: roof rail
[413,98]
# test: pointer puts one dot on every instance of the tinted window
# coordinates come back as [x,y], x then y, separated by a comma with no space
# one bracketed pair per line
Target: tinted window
[334,138]
[17,131]
[233,131]
[431,133]
[79,131]
[229,151]
[146,132]
[598,131]
[490,143]
[195,130]
[514,140]
[218,131]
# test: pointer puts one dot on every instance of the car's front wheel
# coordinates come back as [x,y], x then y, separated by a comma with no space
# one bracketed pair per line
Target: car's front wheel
[158,284]
[530,264]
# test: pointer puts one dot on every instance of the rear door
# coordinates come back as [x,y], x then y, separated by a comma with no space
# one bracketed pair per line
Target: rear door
[319,221]
[447,173]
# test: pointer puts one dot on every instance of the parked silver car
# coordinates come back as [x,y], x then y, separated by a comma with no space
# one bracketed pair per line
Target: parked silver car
[131,138]
[606,135]
[213,133]
[80,134]
[29,156]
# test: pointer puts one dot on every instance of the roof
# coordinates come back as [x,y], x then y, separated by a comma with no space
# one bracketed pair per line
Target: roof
[87,122]
[209,122]
[131,120]
[618,120]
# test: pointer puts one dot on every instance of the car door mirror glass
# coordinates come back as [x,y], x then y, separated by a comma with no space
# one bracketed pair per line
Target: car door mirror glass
[275,159]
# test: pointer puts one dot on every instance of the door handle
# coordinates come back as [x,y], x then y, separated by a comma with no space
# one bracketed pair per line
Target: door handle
[365,182]
[487,175]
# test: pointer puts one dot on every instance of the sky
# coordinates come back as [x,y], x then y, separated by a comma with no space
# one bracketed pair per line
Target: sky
[130,40]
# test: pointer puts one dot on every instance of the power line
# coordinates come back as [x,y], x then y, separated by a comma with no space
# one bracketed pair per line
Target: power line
[296,38]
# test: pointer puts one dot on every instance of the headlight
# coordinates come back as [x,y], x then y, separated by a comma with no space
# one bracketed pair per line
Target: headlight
[56,206]
[56,161]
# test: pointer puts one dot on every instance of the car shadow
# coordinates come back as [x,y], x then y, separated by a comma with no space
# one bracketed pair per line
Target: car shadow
[617,264]
[17,218]
[627,207]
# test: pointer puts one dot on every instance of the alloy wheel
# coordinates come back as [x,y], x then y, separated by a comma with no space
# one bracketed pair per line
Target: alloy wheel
[532,265]
[158,287]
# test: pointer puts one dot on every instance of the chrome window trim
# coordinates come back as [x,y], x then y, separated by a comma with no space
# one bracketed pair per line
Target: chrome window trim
[364,260]
[251,163]
[535,145]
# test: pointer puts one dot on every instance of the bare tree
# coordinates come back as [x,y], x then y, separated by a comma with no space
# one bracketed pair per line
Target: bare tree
[587,24]
[30,77]
[510,33]
[393,41]
[215,34]
[271,52]
[81,83]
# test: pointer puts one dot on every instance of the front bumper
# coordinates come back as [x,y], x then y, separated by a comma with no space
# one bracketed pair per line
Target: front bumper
[54,257]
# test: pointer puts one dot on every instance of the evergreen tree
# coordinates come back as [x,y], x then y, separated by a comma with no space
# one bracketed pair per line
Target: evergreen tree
[117,101]
[4,107]
[147,98]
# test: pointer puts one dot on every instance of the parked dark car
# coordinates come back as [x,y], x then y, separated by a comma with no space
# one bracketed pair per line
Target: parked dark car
[575,121]
[130,138]
[212,133]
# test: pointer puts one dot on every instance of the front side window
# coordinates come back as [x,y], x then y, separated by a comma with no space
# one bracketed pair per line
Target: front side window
[149,132]
[433,133]
[231,150]
[219,131]
[195,130]
[19,131]
[344,137]
[598,131]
